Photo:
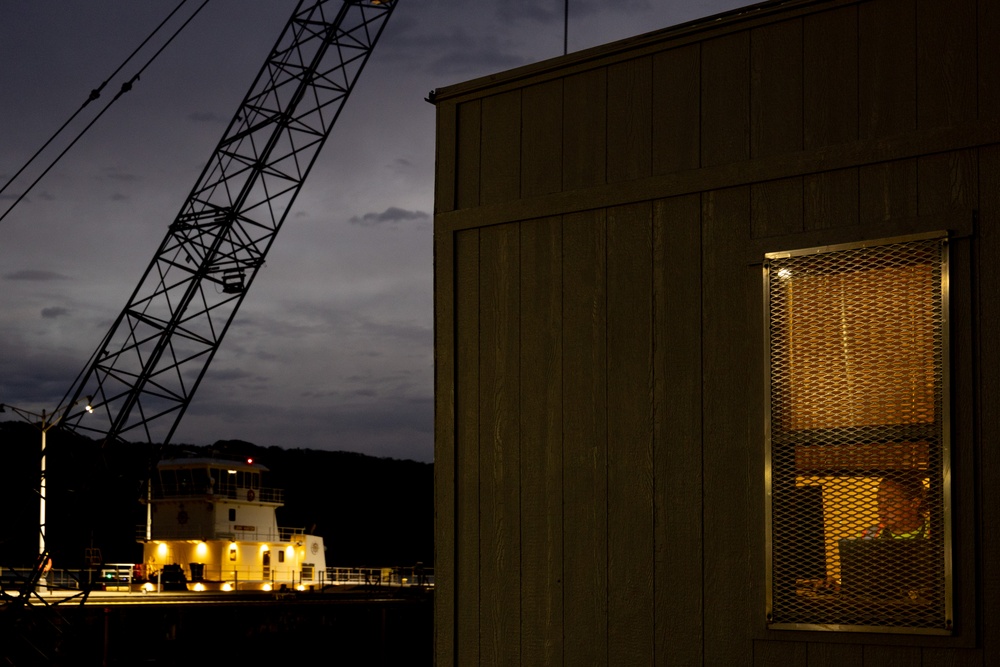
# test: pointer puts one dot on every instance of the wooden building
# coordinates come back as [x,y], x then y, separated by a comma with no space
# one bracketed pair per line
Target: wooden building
[612,461]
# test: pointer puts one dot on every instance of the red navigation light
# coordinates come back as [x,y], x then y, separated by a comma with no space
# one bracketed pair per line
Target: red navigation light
[250,459]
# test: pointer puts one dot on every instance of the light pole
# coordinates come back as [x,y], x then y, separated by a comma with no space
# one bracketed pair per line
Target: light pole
[43,422]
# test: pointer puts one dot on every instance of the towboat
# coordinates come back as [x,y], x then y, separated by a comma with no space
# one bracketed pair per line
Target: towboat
[212,525]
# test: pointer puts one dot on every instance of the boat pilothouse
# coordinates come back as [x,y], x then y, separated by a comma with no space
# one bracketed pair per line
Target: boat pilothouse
[214,521]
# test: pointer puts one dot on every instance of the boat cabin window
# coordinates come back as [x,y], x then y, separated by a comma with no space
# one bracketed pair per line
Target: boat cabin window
[184,481]
[168,481]
[210,480]
[228,481]
[177,482]
[201,480]
[246,479]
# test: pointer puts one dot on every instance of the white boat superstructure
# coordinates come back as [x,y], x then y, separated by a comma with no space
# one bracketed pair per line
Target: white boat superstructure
[214,521]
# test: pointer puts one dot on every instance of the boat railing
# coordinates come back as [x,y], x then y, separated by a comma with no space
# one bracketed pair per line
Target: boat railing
[12,579]
[248,577]
[413,575]
[284,534]
[291,534]
[129,578]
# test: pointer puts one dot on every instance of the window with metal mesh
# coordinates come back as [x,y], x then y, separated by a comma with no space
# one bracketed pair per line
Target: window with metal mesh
[857,483]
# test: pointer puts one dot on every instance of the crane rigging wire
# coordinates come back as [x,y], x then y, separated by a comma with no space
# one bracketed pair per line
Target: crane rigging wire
[95,94]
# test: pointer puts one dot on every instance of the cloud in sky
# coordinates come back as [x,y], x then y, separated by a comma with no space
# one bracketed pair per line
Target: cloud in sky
[332,348]
[54,312]
[391,215]
[40,275]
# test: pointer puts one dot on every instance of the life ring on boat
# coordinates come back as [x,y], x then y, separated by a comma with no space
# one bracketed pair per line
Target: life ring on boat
[250,495]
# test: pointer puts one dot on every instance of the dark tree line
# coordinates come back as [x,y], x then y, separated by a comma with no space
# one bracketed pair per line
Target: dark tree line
[370,511]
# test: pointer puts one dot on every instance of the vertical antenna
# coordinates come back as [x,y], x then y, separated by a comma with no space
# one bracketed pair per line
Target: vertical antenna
[565,27]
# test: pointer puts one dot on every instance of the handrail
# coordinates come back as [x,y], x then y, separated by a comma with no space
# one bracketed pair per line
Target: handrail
[283,535]
[125,576]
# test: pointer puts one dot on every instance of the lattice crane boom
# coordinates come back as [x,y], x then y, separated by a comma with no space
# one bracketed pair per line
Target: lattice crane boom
[145,372]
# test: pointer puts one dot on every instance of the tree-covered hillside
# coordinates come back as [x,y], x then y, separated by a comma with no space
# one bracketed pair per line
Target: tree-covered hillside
[370,511]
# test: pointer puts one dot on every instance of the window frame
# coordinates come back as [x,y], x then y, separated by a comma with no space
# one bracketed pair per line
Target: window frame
[945,417]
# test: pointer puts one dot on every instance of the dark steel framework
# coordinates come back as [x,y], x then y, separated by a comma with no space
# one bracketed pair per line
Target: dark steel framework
[145,372]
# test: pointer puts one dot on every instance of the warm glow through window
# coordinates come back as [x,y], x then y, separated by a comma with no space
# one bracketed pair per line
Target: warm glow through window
[857,439]
[854,359]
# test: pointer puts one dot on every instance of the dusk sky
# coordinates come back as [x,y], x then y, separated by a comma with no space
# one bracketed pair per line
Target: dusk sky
[332,348]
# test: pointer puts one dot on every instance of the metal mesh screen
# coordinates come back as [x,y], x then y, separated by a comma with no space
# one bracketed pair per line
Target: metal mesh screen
[859,537]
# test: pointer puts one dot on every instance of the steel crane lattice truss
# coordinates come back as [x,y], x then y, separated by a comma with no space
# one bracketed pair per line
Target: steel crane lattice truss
[147,368]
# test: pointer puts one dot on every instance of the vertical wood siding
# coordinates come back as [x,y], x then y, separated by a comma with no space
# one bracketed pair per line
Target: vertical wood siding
[585,108]
[725,99]
[499,446]
[467,155]
[599,460]
[466,395]
[677,432]
[541,377]
[630,434]
[676,109]
[830,77]
[630,124]
[585,439]
[946,63]
[887,56]
[541,139]
[727,537]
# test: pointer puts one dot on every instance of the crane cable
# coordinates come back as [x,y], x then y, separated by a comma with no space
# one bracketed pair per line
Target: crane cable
[95,94]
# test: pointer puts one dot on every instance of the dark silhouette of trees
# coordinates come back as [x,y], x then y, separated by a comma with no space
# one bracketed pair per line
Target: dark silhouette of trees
[370,511]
